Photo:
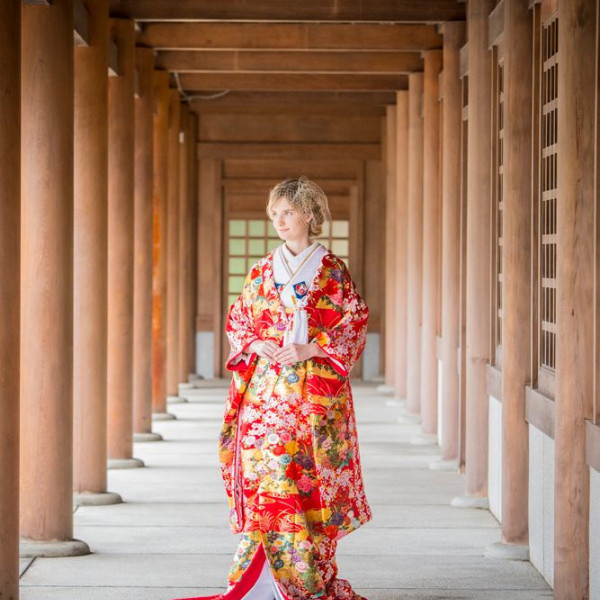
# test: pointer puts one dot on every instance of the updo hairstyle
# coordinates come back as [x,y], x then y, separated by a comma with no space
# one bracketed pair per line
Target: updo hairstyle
[305,196]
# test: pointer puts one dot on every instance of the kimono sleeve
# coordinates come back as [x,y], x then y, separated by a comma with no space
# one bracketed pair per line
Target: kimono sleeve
[345,340]
[240,328]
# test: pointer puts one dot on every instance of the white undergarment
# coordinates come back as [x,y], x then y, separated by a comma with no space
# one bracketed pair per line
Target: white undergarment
[265,587]
[297,333]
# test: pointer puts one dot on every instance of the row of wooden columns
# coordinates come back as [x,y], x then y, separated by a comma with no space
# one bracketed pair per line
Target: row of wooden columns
[422,211]
[96,267]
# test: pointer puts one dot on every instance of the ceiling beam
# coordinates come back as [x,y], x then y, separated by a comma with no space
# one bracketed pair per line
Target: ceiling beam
[291,82]
[259,61]
[294,99]
[286,150]
[289,36]
[286,10]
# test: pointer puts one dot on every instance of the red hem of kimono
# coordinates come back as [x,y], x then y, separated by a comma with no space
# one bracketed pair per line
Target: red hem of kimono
[246,583]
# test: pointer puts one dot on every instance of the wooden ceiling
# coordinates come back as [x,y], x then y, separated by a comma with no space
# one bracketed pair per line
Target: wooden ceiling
[350,52]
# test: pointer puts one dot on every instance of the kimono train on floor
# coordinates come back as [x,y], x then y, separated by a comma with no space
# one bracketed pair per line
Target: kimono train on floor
[288,445]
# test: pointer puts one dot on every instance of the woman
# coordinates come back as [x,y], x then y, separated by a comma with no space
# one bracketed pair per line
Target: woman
[288,445]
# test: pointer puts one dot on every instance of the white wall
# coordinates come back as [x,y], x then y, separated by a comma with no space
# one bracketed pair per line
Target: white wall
[594,535]
[205,354]
[440,421]
[370,358]
[495,457]
[541,503]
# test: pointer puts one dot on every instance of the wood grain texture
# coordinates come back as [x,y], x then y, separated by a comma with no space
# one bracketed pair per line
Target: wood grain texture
[290,36]
[264,10]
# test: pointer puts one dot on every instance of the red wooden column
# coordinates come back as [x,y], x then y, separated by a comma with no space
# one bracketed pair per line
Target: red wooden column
[400,215]
[120,251]
[478,241]
[185,231]
[431,267]
[142,269]
[415,246]
[390,250]
[90,269]
[159,269]
[193,246]
[577,84]
[516,273]
[173,233]
[10,228]
[454,36]
[46,442]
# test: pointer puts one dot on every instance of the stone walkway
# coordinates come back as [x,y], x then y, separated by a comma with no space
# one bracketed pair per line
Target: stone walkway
[170,538]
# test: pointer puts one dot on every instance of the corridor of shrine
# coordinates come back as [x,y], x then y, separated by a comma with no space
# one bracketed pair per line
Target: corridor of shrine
[458,145]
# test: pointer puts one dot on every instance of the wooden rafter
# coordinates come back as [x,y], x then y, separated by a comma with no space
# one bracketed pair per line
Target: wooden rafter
[286,10]
[295,99]
[290,36]
[291,82]
[289,61]
[289,150]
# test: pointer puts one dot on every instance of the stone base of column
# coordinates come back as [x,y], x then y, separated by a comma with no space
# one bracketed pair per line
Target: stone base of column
[506,551]
[96,498]
[163,416]
[147,437]
[52,549]
[470,502]
[186,386]
[409,418]
[395,402]
[424,439]
[444,465]
[125,463]
[176,400]
[387,390]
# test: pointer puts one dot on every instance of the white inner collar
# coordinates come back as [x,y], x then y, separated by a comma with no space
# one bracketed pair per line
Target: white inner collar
[299,257]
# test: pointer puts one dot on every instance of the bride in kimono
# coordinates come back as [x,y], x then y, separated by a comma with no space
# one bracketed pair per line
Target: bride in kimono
[288,445]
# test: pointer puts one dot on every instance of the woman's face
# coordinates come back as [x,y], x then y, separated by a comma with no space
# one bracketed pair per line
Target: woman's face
[290,223]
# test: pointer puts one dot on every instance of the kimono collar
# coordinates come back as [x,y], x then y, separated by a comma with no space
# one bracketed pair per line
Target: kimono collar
[294,260]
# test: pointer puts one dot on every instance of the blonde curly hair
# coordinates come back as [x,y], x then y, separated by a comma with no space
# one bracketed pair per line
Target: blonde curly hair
[306,197]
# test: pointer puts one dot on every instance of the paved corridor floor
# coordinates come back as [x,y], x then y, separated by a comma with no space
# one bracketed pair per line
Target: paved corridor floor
[170,538]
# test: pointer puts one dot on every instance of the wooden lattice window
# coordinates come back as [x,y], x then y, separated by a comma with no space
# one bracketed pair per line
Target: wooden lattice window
[547,199]
[250,239]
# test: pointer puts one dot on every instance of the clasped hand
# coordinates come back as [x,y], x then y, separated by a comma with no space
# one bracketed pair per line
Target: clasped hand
[286,355]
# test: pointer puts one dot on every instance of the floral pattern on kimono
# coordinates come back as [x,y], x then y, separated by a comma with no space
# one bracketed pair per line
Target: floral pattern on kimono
[288,445]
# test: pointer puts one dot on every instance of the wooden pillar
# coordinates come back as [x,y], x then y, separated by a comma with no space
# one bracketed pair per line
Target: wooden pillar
[479,236]
[516,270]
[120,251]
[159,269]
[454,37]
[184,247]
[90,266]
[142,273]
[431,227]
[193,245]
[415,243]
[390,248]
[400,349]
[209,309]
[574,316]
[173,233]
[10,228]
[46,442]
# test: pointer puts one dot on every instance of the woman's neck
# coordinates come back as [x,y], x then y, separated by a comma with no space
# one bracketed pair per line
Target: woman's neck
[297,246]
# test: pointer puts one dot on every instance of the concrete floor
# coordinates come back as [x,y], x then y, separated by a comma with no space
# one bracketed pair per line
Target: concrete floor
[170,538]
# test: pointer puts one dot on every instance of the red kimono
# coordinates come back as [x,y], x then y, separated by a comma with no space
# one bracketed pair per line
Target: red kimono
[288,445]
